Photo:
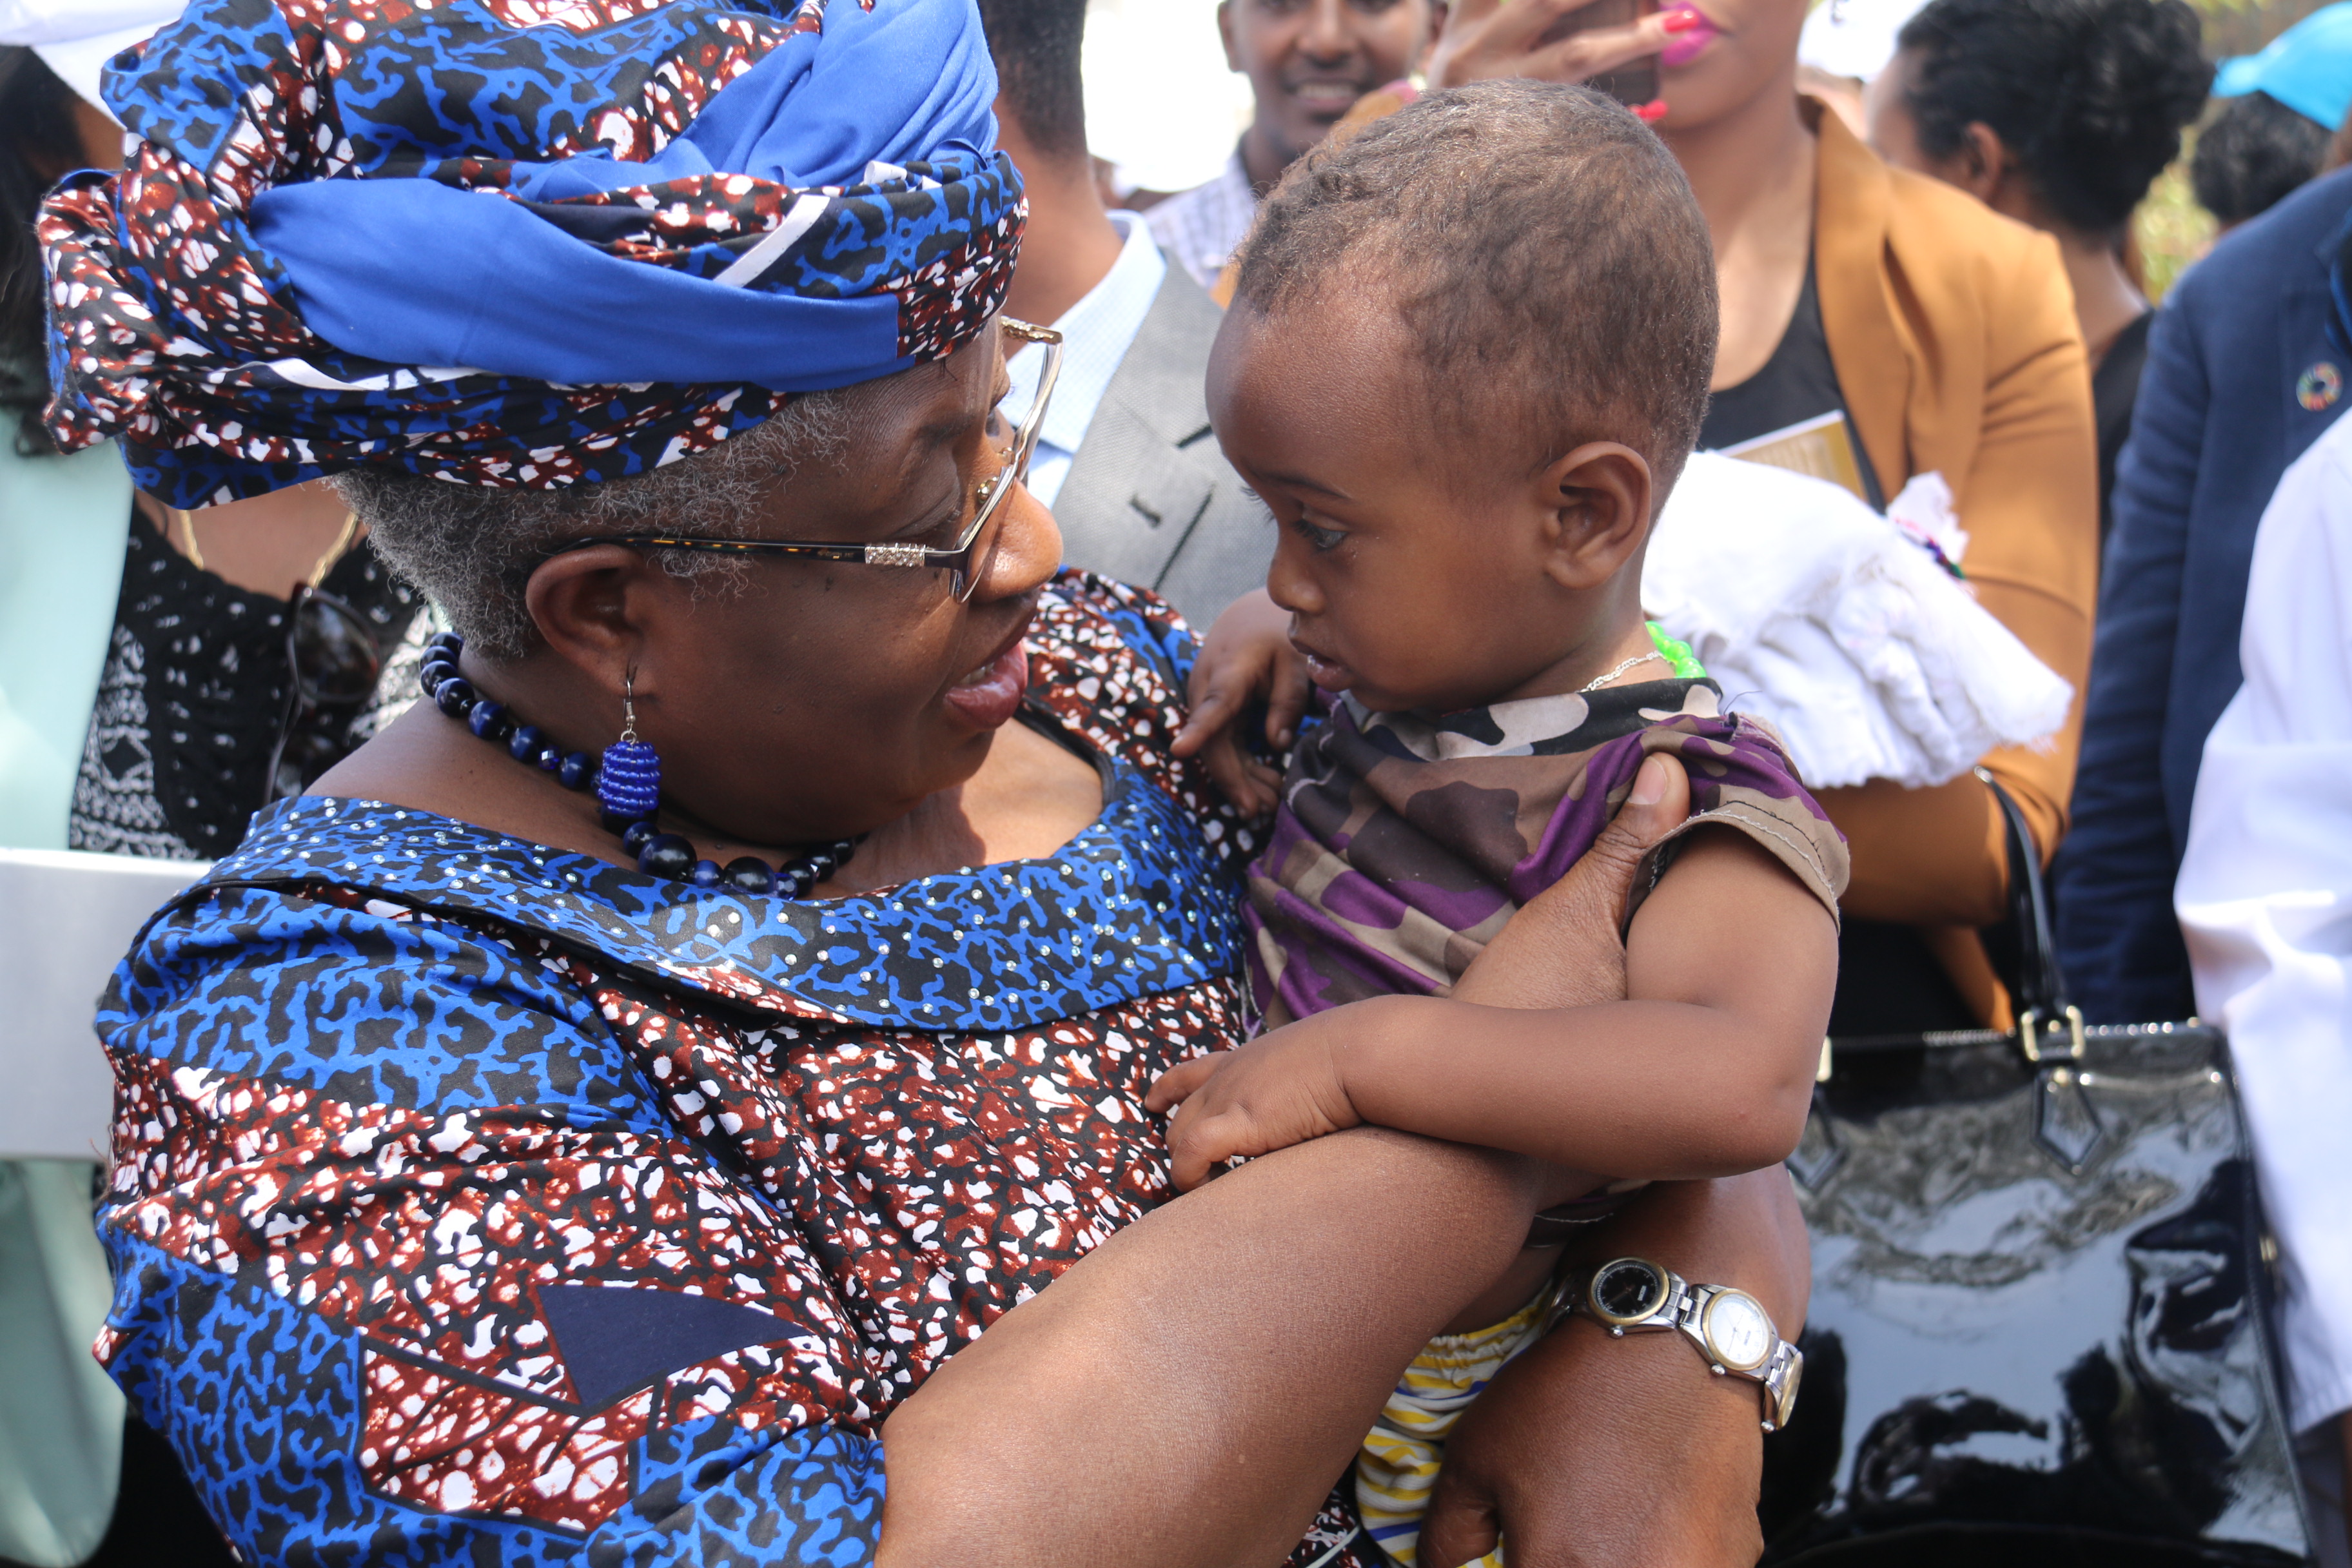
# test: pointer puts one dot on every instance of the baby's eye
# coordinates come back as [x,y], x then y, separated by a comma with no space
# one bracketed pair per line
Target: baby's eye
[1318,539]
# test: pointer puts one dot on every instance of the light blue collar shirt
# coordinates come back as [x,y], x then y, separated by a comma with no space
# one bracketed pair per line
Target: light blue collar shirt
[1096,332]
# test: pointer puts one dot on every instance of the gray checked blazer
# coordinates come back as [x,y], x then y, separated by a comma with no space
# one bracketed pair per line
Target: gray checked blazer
[1149,498]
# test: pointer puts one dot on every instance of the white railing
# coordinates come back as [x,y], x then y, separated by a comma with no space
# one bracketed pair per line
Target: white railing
[66,921]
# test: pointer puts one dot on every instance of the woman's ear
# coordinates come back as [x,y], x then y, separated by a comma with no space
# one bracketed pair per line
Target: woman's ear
[1599,499]
[1982,163]
[590,606]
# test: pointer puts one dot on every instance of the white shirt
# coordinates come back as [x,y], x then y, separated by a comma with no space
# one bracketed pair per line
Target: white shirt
[1096,332]
[1204,226]
[2265,901]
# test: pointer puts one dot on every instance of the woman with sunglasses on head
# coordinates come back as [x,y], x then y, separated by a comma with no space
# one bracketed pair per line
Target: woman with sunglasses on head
[151,670]
[245,637]
[691,1071]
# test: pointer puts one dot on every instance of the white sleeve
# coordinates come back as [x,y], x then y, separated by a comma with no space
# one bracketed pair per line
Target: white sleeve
[2265,902]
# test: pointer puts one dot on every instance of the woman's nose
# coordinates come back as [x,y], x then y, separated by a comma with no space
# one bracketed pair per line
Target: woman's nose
[1028,548]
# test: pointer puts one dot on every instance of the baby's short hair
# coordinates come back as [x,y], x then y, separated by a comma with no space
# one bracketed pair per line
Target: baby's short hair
[1541,246]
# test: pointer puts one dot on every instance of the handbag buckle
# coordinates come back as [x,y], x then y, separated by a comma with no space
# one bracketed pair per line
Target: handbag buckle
[2065,1123]
[2029,1035]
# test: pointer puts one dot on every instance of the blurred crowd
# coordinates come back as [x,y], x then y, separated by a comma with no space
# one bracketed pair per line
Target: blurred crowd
[1922,222]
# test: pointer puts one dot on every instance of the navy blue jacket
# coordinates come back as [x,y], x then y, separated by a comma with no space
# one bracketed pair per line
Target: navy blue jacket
[2238,353]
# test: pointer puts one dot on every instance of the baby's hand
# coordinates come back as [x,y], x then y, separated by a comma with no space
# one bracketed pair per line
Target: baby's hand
[1281,1089]
[1248,653]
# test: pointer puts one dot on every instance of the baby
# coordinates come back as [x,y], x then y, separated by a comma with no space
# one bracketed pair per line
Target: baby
[1467,355]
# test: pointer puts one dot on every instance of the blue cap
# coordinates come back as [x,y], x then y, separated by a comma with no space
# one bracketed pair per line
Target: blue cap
[2308,67]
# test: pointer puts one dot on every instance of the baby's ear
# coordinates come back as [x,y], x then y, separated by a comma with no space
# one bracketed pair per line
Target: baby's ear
[1601,494]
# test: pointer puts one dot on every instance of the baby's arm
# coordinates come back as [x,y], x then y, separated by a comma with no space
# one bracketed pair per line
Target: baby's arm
[1705,1069]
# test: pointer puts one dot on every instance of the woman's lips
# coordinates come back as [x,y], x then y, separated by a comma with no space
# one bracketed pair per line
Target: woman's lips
[989,697]
[1691,41]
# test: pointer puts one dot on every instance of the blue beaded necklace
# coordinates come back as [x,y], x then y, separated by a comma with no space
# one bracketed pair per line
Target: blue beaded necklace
[627,784]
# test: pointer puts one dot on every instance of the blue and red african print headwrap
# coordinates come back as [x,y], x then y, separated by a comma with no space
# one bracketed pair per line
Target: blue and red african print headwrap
[530,243]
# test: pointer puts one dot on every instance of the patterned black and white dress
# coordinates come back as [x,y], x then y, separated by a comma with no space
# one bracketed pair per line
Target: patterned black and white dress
[177,758]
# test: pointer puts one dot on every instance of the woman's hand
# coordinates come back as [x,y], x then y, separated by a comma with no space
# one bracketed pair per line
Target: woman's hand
[1281,1088]
[1483,39]
[1566,947]
[1247,653]
[1590,1451]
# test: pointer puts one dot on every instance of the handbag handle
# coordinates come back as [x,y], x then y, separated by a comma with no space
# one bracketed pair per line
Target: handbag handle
[2023,948]
[2065,1123]
[2024,954]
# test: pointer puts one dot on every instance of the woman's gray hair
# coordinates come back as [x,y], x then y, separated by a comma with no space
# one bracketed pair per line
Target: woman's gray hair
[472,549]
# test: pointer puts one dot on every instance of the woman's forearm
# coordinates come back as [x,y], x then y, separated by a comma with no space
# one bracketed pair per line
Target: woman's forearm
[1189,1393]
[1734,1230]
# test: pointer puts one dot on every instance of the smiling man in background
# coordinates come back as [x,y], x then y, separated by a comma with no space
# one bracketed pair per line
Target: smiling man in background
[1308,62]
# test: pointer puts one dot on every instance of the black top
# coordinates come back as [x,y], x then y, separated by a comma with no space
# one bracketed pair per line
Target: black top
[2114,387]
[1797,384]
[194,690]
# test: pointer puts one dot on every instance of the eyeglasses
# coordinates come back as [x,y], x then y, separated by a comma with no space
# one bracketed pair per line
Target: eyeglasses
[966,559]
[332,652]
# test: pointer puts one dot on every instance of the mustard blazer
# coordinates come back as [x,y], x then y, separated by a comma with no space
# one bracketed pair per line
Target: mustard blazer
[1952,331]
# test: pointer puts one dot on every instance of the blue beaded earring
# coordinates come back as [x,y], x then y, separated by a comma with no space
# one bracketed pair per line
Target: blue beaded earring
[628,784]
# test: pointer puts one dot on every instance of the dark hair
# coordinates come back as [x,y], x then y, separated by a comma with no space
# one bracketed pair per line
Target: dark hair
[1541,246]
[471,549]
[2091,95]
[1037,43]
[2254,152]
[37,130]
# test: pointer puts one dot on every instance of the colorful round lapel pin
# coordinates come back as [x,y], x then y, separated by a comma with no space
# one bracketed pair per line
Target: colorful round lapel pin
[2318,388]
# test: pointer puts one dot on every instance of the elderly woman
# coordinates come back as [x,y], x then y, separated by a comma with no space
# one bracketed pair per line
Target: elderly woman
[586,1127]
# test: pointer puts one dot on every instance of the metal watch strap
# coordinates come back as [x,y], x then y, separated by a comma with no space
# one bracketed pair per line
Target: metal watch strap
[1684,1309]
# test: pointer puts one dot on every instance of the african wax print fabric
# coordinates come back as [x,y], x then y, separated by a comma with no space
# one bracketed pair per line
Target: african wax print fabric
[479,1202]
[1405,843]
[526,243]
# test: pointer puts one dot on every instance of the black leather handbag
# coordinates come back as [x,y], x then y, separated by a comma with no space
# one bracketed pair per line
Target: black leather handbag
[2040,1330]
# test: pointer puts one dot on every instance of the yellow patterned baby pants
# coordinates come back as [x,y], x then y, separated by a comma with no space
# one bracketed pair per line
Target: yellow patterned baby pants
[1398,1465]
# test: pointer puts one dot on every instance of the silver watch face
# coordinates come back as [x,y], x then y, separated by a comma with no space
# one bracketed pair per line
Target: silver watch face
[1739,1330]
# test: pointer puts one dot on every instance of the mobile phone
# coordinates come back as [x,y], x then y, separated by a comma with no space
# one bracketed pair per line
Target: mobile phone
[1636,82]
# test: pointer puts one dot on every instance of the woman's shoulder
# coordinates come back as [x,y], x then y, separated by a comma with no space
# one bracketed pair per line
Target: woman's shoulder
[1110,663]
[314,989]
[1942,228]
[1086,618]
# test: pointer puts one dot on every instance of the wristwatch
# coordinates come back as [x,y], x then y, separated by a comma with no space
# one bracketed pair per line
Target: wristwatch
[1730,1328]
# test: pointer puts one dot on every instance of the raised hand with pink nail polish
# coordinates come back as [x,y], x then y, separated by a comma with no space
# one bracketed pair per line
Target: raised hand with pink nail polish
[1612,45]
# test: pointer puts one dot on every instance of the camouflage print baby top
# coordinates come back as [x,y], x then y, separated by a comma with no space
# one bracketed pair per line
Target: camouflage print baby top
[1403,844]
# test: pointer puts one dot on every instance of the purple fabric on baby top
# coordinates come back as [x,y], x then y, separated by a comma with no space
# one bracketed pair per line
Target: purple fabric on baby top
[1403,844]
